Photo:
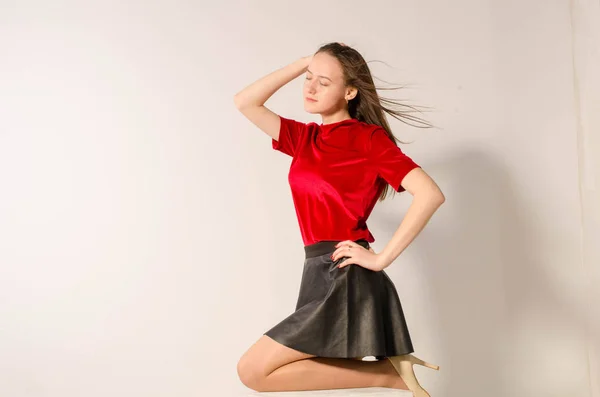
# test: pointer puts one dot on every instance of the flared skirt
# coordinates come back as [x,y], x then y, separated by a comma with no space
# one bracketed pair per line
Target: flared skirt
[349,312]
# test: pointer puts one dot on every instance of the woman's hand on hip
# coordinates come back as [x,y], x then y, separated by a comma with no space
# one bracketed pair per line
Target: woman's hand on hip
[356,254]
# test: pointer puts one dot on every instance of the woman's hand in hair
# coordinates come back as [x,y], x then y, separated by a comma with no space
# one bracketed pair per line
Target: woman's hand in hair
[306,61]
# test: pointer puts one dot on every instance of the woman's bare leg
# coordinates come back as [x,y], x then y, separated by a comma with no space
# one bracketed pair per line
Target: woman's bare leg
[270,366]
[332,373]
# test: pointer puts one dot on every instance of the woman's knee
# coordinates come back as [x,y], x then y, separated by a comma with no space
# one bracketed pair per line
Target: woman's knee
[249,375]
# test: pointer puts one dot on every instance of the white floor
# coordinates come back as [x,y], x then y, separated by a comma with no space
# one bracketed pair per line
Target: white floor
[363,392]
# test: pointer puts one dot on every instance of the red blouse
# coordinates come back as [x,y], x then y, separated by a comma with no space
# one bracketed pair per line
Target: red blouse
[337,173]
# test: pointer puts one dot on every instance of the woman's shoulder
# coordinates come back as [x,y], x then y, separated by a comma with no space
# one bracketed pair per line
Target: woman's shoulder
[364,131]
[367,128]
[359,136]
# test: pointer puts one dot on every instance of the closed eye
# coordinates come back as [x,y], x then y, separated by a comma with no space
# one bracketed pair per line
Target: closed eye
[325,85]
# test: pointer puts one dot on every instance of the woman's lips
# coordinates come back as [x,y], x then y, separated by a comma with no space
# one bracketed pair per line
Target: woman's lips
[311,100]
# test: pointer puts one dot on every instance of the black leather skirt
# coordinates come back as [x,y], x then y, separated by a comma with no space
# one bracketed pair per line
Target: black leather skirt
[349,312]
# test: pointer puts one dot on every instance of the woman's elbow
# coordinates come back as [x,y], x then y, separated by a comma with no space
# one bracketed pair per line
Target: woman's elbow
[440,197]
[433,196]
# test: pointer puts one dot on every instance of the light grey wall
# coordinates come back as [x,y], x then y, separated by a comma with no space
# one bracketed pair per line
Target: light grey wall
[147,232]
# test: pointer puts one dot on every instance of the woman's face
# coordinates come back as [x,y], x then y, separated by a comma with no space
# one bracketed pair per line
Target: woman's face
[324,83]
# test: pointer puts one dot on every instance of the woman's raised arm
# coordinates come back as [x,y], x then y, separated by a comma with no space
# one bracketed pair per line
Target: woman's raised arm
[250,101]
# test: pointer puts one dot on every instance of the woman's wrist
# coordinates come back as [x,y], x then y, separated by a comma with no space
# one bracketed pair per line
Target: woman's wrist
[380,261]
[384,260]
[305,61]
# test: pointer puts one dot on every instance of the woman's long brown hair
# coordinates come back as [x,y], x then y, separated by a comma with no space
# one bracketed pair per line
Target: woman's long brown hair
[367,105]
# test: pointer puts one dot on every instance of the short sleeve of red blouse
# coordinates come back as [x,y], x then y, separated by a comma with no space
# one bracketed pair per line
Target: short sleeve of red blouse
[388,159]
[291,133]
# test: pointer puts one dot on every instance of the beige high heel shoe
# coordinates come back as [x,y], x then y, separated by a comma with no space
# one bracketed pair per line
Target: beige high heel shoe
[404,366]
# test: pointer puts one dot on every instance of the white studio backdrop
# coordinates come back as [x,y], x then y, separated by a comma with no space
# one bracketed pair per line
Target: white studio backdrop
[147,231]
[585,19]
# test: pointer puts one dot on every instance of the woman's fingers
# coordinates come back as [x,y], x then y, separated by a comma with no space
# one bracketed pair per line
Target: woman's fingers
[342,249]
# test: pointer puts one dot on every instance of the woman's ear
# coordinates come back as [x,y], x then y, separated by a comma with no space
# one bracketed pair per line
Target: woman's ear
[351,93]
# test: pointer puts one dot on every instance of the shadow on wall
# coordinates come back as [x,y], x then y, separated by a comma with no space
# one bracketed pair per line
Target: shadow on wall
[486,279]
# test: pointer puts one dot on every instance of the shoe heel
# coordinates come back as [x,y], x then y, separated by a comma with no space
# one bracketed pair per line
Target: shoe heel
[425,363]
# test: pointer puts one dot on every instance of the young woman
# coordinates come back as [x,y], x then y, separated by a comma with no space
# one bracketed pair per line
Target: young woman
[347,308]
